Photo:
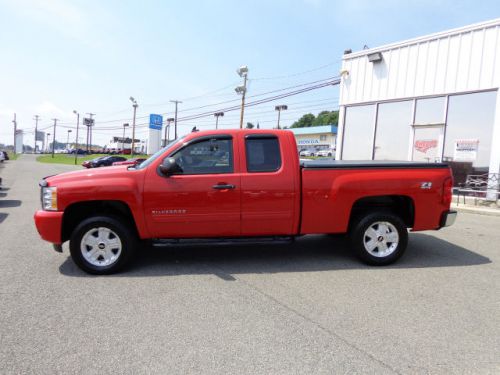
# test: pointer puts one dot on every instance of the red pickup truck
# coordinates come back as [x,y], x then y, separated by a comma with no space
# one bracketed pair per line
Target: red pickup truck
[239,186]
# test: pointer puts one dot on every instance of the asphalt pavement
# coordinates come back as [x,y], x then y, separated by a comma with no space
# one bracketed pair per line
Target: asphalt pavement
[305,308]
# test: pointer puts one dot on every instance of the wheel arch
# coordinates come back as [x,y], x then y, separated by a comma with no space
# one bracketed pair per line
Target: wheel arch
[400,205]
[79,211]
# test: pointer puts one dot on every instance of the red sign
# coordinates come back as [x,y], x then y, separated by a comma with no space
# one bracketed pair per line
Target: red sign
[425,145]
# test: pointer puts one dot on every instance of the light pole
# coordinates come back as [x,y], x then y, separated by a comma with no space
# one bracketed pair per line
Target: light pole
[167,130]
[76,139]
[217,115]
[280,108]
[67,140]
[242,72]
[47,147]
[123,138]
[135,105]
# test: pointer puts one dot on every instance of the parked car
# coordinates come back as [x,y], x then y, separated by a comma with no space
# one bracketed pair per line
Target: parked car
[133,161]
[306,153]
[103,161]
[326,153]
[248,186]
[78,151]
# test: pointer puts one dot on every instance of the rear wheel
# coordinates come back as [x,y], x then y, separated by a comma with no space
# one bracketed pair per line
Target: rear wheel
[102,245]
[379,238]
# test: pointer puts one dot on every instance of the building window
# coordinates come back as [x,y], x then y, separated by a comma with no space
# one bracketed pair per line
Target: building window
[358,133]
[322,137]
[430,111]
[469,130]
[393,130]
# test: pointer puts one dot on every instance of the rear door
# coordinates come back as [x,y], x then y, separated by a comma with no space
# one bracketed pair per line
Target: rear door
[203,199]
[269,186]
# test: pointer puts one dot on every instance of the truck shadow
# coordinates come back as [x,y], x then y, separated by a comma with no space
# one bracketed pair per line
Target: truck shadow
[308,254]
[10,203]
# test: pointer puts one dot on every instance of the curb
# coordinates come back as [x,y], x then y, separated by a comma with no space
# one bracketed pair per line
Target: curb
[477,210]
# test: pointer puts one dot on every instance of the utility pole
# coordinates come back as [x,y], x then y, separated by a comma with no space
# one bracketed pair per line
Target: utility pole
[89,139]
[135,105]
[54,137]
[36,131]
[217,115]
[15,132]
[175,117]
[242,72]
[280,108]
[76,139]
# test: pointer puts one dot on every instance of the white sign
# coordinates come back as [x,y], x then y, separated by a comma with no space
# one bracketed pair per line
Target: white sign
[465,149]
[308,141]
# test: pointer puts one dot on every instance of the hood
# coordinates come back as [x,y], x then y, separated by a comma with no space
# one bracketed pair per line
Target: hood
[88,174]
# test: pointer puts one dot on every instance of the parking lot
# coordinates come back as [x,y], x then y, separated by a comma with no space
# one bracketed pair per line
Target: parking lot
[309,307]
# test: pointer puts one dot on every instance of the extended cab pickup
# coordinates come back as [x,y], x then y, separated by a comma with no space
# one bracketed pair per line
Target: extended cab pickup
[240,185]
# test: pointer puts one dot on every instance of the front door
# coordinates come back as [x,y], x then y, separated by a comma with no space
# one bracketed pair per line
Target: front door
[202,199]
[428,143]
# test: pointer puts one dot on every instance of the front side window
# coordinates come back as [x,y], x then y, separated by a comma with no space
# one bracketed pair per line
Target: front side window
[263,154]
[209,156]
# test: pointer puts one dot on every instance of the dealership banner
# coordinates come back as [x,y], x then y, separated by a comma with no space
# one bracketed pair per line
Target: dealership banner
[465,149]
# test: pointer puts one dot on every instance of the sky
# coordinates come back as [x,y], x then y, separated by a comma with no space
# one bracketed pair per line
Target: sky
[90,56]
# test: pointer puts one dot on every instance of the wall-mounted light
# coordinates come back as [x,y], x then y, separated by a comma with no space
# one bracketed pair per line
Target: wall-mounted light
[375,57]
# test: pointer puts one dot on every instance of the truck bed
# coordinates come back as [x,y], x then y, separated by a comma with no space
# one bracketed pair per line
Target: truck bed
[376,164]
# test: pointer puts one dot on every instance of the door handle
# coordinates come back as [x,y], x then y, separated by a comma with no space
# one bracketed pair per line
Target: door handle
[223,186]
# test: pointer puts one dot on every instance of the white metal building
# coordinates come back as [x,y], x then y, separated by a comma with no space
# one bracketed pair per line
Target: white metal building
[432,98]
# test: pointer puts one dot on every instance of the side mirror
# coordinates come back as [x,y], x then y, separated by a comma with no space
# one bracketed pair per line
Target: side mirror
[169,166]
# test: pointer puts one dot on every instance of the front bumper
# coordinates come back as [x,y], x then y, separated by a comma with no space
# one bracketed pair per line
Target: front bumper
[49,225]
[448,218]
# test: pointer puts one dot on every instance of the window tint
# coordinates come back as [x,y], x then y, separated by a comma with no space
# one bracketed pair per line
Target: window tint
[263,154]
[206,157]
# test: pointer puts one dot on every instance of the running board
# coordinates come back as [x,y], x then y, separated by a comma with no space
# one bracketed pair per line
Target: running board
[178,242]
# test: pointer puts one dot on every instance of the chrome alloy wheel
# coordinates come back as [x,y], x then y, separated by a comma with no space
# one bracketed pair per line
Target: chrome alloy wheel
[381,239]
[101,246]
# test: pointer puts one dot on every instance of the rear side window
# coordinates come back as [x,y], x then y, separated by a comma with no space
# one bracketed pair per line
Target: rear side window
[263,154]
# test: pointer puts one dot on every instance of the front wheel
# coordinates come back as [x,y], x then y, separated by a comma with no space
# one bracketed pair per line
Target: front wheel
[379,238]
[102,245]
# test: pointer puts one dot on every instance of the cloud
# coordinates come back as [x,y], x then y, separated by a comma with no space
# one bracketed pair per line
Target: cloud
[48,109]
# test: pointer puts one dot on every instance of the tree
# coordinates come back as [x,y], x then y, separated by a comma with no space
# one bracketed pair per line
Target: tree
[304,122]
[250,125]
[323,118]
[327,118]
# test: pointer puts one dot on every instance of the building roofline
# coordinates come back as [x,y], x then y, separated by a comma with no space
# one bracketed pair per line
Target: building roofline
[439,35]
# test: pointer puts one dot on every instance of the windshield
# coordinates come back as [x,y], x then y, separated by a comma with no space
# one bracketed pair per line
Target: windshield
[157,154]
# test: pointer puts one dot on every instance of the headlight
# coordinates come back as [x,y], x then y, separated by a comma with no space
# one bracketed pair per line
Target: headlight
[49,198]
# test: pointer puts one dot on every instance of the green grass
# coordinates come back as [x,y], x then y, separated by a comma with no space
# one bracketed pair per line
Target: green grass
[12,156]
[70,158]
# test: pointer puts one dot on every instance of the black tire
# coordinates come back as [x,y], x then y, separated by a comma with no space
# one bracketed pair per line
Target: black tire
[361,240]
[122,231]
